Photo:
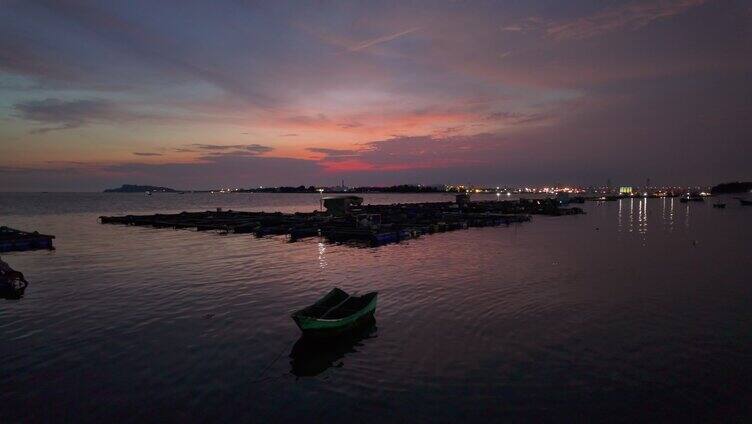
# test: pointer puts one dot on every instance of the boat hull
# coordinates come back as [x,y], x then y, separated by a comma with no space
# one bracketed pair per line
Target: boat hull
[322,328]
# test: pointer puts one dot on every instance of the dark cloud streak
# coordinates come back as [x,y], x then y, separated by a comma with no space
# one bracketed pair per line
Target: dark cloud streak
[333,152]
[65,114]
[255,149]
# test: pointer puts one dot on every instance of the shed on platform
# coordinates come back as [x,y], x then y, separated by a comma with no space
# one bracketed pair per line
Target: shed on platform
[462,200]
[341,205]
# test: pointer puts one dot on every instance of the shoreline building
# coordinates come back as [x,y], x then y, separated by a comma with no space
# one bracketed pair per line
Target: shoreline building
[626,190]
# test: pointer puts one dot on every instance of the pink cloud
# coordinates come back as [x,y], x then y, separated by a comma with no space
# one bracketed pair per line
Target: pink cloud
[423,152]
[383,39]
[630,16]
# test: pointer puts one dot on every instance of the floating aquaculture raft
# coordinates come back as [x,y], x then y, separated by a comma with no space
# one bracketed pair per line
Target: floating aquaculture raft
[369,224]
[14,240]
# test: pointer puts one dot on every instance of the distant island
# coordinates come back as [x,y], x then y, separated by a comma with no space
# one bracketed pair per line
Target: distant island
[590,192]
[131,188]
[733,187]
[404,188]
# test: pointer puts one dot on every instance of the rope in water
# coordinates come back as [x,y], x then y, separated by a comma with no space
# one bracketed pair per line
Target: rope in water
[260,377]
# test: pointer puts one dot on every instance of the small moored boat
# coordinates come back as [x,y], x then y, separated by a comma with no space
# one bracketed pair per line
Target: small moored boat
[719,205]
[691,198]
[335,313]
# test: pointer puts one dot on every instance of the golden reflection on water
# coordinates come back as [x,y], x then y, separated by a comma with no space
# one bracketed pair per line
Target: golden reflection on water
[671,216]
[631,215]
[620,216]
[637,220]
[643,216]
[322,255]
[667,213]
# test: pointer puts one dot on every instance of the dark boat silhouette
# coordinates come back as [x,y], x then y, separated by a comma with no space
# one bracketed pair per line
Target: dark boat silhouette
[12,283]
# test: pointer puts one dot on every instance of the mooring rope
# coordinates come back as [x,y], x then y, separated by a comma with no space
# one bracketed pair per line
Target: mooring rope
[260,377]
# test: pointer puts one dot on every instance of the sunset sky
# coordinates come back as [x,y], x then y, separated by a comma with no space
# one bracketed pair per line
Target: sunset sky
[197,95]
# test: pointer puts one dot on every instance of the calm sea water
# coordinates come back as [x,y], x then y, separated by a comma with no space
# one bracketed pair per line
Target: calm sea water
[639,309]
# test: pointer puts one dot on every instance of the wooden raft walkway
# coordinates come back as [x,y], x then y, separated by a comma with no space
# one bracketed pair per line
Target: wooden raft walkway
[369,224]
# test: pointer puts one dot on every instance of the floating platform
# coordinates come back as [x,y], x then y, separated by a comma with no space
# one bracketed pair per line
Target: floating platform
[16,240]
[362,224]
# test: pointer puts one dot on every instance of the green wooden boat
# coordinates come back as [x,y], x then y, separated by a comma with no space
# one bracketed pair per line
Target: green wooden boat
[335,314]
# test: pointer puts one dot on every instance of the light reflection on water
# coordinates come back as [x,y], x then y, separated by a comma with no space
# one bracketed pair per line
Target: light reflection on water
[621,219]
[322,254]
[643,218]
[671,215]
[553,318]
[631,215]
